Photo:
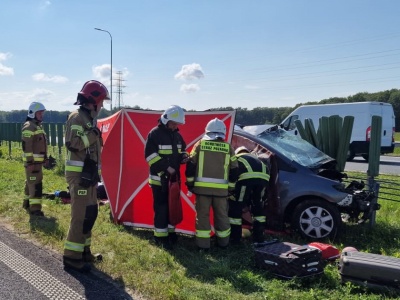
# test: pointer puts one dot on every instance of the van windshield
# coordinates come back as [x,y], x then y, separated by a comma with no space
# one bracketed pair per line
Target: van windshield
[294,147]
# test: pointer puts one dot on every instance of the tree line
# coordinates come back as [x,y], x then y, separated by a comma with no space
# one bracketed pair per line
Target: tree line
[244,116]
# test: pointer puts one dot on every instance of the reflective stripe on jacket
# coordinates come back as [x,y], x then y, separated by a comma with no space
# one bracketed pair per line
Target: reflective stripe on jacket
[250,167]
[34,142]
[213,161]
[80,140]
[164,148]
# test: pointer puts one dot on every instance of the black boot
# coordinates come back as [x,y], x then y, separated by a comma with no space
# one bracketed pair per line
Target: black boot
[258,232]
[88,257]
[25,205]
[76,264]
[236,234]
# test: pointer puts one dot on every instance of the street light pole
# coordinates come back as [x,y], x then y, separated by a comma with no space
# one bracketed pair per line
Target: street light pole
[111,83]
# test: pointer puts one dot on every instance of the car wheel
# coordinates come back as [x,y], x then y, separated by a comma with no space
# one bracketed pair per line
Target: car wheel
[365,156]
[350,155]
[316,219]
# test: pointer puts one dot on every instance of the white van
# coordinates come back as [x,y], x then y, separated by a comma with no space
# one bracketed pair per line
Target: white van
[362,112]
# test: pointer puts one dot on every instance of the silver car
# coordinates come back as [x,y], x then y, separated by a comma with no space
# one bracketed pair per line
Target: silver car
[305,192]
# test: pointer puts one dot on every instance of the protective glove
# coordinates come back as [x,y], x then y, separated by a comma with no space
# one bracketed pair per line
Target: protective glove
[96,131]
[185,158]
[49,163]
[189,186]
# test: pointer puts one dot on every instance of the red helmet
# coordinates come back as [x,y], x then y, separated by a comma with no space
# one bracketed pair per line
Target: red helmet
[93,92]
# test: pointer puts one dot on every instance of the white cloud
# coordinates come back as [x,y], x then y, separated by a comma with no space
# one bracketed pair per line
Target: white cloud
[45,4]
[189,88]
[4,70]
[41,95]
[49,78]
[189,72]
[5,56]
[102,73]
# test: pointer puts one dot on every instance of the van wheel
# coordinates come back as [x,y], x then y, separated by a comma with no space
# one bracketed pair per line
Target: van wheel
[350,155]
[365,156]
[316,219]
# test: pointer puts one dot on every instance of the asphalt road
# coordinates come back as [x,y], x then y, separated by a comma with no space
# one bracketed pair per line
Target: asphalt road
[29,271]
[388,165]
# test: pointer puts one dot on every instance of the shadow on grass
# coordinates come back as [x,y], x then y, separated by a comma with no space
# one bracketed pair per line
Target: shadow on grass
[47,225]
[99,285]
[234,266]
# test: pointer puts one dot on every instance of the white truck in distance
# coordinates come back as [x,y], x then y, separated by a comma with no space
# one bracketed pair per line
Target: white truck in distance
[361,133]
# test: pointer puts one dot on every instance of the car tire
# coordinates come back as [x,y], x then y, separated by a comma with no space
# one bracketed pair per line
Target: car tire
[365,156]
[316,219]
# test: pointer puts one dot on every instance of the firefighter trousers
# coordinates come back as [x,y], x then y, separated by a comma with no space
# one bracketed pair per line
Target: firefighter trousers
[84,210]
[34,187]
[249,194]
[161,213]
[221,221]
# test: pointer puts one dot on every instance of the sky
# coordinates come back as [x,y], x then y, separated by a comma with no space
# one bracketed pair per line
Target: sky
[197,54]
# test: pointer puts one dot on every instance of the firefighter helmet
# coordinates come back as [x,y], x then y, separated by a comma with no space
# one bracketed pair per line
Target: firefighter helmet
[94,92]
[215,129]
[173,113]
[242,149]
[35,107]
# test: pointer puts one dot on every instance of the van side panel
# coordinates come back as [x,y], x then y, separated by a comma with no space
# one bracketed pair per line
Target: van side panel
[362,112]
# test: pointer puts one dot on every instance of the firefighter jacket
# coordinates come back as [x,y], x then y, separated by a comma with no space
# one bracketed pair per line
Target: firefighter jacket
[34,142]
[212,169]
[164,148]
[82,138]
[251,168]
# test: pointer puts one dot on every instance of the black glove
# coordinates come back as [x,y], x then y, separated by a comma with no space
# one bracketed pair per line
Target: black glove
[96,131]
[50,163]
[189,186]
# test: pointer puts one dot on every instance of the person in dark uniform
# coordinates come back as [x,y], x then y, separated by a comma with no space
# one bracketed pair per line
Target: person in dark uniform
[249,191]
[165,151]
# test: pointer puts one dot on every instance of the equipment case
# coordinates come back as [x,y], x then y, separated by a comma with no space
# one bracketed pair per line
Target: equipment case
[288,260]
[370,270]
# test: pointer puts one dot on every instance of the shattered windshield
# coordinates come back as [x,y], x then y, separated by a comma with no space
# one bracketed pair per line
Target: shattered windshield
[294,147]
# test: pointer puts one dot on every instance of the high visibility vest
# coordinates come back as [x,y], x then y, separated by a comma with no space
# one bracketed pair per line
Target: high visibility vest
[214,159]
[250,167]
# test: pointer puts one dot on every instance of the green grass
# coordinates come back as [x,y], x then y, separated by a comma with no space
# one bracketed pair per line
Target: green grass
[132,261]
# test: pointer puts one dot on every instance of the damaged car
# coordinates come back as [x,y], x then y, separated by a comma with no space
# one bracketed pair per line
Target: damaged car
[306,193]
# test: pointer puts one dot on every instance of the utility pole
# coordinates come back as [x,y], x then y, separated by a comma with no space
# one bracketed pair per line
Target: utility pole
[119,84]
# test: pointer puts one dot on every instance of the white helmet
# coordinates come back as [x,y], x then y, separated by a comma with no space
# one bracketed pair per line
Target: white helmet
[242,149]
[34,107]
[215,129]
[173,113]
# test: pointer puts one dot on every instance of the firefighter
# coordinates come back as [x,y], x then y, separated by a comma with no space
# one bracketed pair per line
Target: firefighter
[249,191]
[83,142]
[210,173]
[164,151]
[34,146]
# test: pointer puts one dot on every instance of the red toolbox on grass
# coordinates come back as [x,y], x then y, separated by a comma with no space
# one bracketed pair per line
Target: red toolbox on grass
[288,260]
[370,270]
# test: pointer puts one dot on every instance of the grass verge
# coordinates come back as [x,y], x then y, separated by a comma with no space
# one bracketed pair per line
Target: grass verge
[133,262]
